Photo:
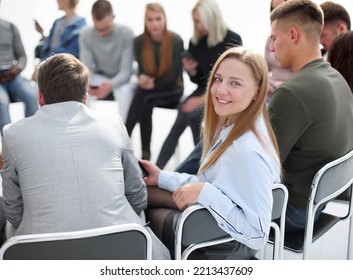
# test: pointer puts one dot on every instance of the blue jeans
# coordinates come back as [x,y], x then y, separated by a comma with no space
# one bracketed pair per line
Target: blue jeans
[19,89]
[296,217]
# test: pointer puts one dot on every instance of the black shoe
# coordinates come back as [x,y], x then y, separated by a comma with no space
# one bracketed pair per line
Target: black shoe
[146,155]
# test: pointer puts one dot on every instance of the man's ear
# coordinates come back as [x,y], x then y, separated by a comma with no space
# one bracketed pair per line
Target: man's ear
[294,35]
[41,100]
[342,28]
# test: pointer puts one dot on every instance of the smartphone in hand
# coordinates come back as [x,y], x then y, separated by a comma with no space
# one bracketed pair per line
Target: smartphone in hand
[5,68]
[38,26]
[144,171]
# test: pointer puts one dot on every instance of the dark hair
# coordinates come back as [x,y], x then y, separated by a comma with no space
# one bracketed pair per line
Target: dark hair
[341,56]
[62,77]
[304,13]
[101,9]
[74,3]
[335,12]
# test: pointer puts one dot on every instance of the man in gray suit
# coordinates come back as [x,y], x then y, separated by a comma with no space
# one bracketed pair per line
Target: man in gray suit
[69,168]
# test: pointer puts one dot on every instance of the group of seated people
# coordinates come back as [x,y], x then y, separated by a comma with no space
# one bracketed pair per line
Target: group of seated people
[71,168]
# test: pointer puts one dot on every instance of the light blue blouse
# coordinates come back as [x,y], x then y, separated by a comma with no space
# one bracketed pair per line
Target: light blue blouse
[238,187]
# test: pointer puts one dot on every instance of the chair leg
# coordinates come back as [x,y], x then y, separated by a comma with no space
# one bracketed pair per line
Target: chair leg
[350,241]
[276,243]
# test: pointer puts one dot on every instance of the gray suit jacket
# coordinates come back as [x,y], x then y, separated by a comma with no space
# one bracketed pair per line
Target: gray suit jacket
[70,168]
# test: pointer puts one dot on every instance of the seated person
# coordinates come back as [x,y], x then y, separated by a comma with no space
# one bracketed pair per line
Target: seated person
[160,81]
[312,112]
[240,161]
[68,167]
[107,50]
[63,36]
[211,37]
[336,22]
[14,87]
[341,56]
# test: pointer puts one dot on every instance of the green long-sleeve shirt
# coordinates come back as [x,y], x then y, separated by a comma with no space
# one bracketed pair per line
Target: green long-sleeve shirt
[312,117]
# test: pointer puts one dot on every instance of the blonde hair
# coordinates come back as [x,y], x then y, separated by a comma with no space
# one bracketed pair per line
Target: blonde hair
[211,18]
[213,124]
[148,54]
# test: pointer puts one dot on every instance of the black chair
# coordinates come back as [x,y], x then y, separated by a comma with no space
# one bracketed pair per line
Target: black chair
[330,181]
[120,242]
[196,227]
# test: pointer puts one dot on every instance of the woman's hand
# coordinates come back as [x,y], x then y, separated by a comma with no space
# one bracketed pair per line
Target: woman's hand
[146,82]
[187,194]
[192,103]
[153,172]
[102,91]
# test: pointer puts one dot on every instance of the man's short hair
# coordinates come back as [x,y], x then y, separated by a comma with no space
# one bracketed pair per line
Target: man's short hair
[306,14]
[334,12]
[101,9]
[62,77]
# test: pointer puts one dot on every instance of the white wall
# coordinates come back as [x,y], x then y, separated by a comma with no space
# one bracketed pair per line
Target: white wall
[249,18]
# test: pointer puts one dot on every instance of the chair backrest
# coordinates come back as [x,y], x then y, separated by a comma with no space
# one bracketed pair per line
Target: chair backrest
[332,179]
[196,227]
[120,242]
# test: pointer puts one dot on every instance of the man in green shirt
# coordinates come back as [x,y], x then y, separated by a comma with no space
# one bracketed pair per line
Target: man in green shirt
[312,112]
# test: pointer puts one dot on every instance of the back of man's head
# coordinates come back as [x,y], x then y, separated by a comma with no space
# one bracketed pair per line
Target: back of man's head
[304,14]
[62,77]
[334,13]
[101,9]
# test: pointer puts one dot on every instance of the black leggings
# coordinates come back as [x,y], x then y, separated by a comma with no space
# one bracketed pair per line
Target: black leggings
[183,120]
[141,110]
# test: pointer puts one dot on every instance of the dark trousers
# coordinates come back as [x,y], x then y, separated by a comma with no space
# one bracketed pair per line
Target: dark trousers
[191,164]
[2,221]
[183,120]
[141,110]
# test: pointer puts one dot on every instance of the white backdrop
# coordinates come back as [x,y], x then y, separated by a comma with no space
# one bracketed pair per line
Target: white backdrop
[250,18]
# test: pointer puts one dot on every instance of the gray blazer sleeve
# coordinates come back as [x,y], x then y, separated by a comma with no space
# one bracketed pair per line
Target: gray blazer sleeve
[13,203]
[135,187]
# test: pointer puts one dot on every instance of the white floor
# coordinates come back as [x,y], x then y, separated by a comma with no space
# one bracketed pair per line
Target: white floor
[330,247]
